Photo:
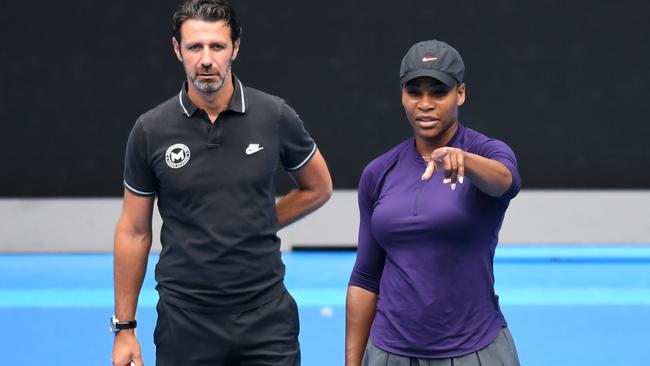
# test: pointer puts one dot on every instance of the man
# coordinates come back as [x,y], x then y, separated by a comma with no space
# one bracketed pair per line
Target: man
[209,154]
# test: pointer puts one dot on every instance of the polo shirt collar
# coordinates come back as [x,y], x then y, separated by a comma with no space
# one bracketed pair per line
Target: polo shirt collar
[238,103]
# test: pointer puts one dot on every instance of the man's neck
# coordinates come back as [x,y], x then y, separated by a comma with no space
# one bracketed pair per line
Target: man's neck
[212,103]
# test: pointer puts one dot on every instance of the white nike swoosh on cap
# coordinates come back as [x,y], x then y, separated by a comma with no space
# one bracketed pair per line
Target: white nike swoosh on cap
[427,59]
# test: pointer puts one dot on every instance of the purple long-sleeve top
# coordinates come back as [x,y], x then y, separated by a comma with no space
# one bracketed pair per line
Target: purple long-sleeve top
[428,251]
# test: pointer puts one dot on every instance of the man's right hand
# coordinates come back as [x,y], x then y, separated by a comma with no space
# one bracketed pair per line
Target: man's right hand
[126,348]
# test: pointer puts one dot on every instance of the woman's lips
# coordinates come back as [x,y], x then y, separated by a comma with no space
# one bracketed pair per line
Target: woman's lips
[426,121]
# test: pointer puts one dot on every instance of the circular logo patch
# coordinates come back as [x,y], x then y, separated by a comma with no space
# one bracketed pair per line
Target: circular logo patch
[177,155]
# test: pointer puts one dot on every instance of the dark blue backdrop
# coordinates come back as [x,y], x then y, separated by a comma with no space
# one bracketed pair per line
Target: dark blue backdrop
[563,82]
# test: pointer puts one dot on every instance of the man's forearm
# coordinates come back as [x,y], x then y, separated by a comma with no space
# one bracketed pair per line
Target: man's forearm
[299,203]
[131,252]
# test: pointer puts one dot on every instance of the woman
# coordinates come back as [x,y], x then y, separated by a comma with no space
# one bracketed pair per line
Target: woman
[422,288]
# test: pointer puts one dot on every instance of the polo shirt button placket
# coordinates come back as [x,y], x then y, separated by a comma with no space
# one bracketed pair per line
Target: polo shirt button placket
[214,133]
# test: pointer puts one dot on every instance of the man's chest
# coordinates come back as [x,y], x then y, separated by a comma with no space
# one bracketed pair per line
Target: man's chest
[207,156]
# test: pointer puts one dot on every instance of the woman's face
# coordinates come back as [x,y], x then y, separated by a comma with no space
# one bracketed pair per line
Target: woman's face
[432,108]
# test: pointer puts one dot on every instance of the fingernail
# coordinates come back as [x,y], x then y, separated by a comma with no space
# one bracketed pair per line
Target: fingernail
[453,186]
[460,179]
[446,180]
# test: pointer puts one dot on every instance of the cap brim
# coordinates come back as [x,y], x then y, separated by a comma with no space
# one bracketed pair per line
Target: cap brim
[438,75]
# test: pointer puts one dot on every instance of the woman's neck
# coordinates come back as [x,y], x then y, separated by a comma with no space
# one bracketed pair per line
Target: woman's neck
[425,146]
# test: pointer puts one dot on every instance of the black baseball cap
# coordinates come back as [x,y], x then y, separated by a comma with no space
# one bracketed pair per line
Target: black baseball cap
[432,58]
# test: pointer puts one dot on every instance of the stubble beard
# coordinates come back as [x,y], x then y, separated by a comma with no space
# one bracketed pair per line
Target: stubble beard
[209,87]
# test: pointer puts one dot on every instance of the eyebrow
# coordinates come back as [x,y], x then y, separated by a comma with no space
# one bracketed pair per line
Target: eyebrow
[198,43]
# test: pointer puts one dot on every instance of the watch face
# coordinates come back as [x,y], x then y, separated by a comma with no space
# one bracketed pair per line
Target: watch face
[112,327]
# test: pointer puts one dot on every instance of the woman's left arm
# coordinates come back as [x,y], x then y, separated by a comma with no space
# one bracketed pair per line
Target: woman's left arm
[488,175]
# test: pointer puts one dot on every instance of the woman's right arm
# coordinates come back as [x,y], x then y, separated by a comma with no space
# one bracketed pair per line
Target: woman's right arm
[364,282]
[360,308]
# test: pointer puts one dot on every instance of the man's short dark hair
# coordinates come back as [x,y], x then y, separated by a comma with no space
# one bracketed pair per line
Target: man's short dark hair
[209,11]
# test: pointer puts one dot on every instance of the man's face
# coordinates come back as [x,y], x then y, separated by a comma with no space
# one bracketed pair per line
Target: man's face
[431,106]
[206,51]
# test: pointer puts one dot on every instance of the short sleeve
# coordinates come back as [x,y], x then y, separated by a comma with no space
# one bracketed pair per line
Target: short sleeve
[296,145]
[371,256]
[497,150]
[138,174]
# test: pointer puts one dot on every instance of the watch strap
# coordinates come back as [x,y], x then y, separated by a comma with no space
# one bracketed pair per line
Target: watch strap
[118,325]
[121,325]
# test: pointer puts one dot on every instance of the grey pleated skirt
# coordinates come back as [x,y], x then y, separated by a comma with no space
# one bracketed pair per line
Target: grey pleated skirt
[501,352]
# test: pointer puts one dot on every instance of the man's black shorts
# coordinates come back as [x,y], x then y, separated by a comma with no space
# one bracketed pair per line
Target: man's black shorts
[263,336]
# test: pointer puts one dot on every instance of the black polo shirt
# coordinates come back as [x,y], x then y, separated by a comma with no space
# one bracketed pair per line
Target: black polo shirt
[216,196]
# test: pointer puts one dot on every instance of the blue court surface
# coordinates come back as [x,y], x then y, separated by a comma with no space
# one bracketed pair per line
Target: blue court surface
[566,305]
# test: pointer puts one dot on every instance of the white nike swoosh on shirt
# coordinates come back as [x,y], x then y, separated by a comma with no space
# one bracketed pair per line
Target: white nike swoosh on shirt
[253,150]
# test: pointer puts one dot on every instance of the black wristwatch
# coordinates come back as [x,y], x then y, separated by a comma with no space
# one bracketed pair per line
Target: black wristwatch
[117,325]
